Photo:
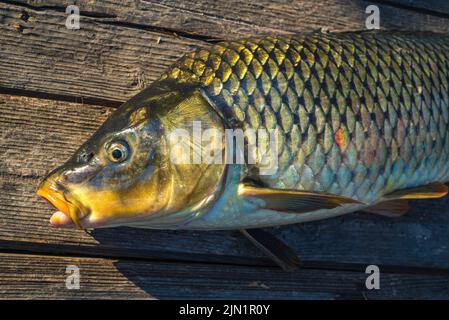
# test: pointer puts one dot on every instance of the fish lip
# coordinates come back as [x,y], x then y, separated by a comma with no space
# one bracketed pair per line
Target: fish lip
[56,194]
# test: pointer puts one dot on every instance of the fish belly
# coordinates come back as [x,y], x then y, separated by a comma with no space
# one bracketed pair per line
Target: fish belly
[357,114]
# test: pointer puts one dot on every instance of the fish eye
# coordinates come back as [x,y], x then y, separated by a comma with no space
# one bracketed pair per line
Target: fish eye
[118,152]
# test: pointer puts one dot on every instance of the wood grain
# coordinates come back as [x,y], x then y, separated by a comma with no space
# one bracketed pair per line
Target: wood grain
[431,7]
[123,46]
[38,53]
[44,277]
[224,19]
[38,135]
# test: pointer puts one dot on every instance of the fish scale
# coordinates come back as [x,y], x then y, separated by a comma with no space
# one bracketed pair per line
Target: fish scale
[359,114]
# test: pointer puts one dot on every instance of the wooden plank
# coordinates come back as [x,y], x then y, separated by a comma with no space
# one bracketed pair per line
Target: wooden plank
[40,277]
[38,53]
[233,18]
[432,7]
[123,46]
[44,277]
[38,135]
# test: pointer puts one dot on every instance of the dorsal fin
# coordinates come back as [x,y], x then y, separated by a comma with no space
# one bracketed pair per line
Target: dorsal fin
[293,201]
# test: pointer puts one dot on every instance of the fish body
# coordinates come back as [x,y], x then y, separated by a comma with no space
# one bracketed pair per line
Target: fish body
[357,118]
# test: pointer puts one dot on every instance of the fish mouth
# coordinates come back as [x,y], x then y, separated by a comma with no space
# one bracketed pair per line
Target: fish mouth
[68,210]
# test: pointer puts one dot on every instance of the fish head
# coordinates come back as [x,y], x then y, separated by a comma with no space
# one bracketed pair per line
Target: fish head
[125,173]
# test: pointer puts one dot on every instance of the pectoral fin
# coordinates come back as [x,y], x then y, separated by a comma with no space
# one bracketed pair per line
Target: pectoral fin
[293,201]
[276,250]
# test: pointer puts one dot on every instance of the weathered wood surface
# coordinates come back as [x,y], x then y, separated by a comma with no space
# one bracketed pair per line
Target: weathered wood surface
[214,19]
[27,276]
[432,7]
[121,47]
